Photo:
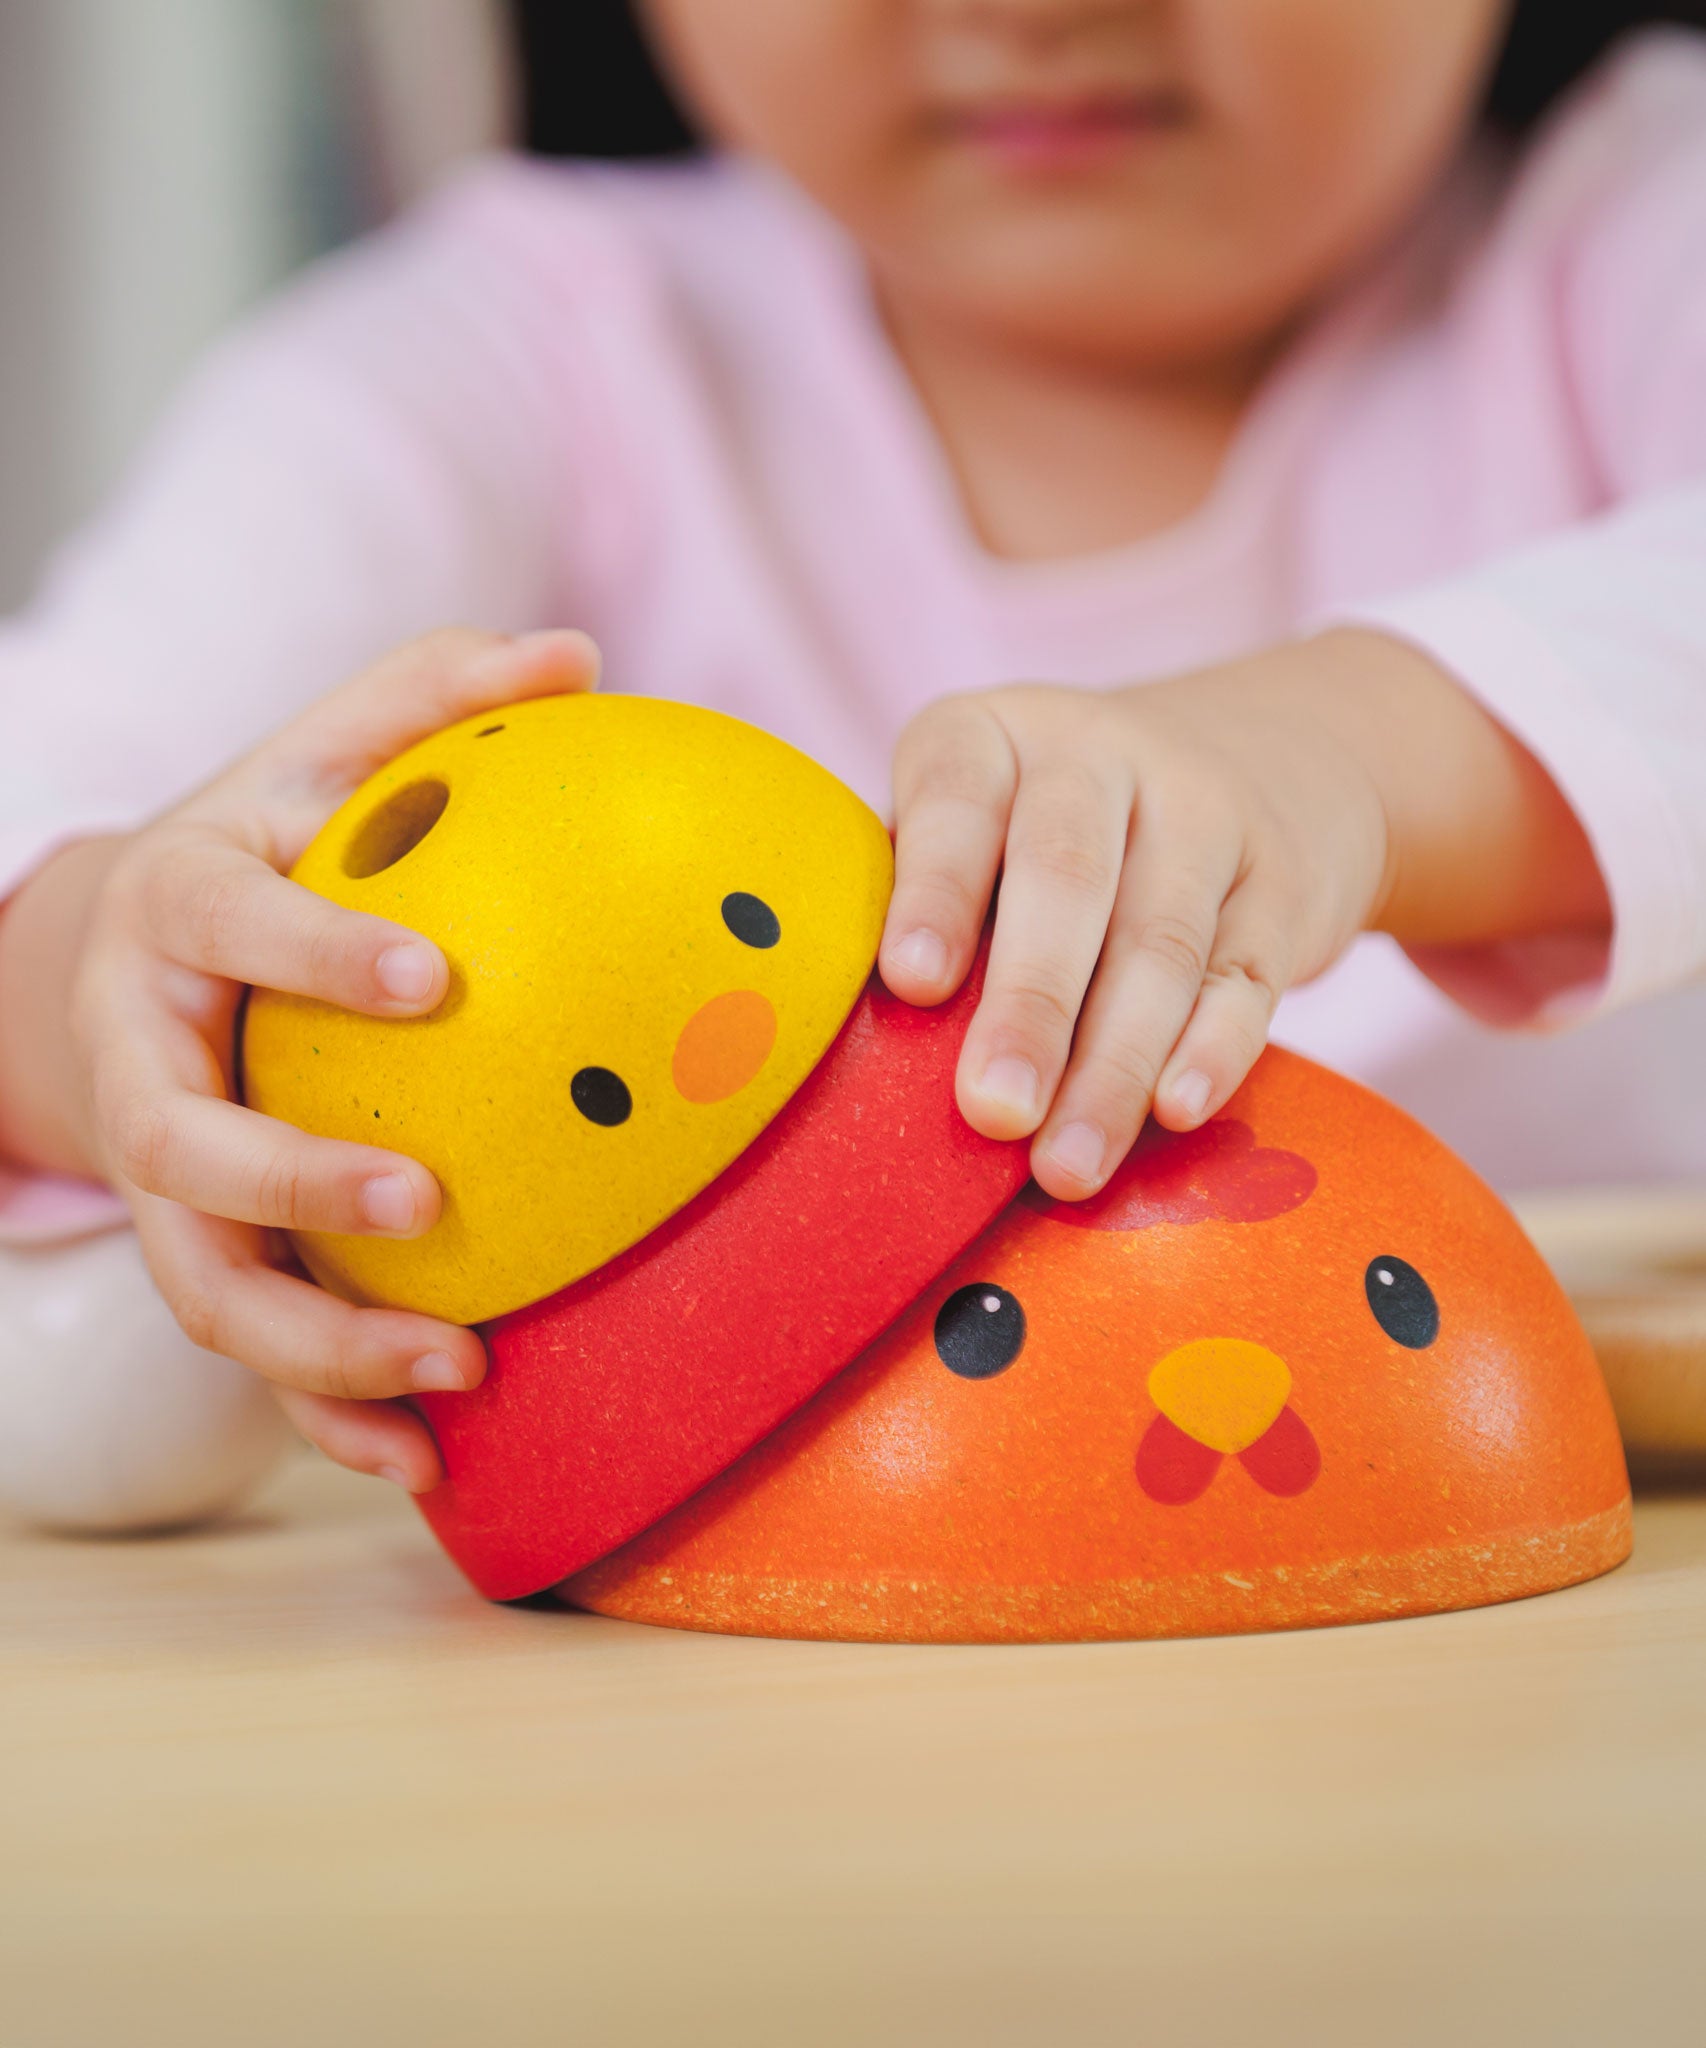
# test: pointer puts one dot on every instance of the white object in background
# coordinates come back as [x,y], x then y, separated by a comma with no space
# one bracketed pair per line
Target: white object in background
[439,80]
[163,163]
[177,130]
[111,1420]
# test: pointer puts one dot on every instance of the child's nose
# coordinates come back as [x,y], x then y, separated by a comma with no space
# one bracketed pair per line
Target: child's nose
[723,1045]
[1223,1391]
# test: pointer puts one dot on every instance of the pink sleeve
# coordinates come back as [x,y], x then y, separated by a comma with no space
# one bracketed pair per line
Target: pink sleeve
[403,441]
[44,1208]
[1590,646]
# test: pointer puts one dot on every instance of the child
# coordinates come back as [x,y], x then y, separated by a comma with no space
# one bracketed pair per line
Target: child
[1254,508]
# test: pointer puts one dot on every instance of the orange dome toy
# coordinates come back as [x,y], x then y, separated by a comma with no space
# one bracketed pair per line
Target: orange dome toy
[1298,1367]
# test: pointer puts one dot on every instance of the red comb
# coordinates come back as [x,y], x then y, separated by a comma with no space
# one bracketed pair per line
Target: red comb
[1215,1174]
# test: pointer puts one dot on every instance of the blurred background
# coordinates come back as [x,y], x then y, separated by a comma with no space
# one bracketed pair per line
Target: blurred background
[162,163]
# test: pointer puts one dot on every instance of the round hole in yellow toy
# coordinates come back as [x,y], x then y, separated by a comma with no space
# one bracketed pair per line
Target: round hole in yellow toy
[395,828]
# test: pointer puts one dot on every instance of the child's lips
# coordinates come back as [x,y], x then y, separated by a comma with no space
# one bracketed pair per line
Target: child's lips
[1065,135]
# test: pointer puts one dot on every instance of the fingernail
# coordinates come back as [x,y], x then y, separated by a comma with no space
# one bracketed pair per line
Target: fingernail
[494,661]
[396,1475]
[1191,1091]
[497,662]
[388,1203]
[406,973]
[1012,1084]
[1079,1149]
[921,953]
[436,1372]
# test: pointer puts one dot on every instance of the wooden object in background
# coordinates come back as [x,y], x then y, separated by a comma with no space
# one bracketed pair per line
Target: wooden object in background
[1634,1263]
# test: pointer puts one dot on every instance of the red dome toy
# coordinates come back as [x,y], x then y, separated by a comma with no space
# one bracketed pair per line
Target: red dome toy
[611,1401]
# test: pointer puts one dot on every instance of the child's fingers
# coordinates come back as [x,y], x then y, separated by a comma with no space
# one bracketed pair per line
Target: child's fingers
[213,906]
[1249,969]
[429,683]
[216,1280]
[234,1162]
[1065,848]
[166,1127]
[955,775]
[379,1437]
[1151,973]
[309,767]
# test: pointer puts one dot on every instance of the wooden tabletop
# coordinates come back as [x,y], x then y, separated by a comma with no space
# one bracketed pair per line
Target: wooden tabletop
[288,1782]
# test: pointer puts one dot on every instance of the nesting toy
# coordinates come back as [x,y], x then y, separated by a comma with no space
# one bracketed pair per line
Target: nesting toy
[1299,1366]
[781,1346]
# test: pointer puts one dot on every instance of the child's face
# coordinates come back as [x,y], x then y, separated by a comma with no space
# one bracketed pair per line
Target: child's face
[1143,180]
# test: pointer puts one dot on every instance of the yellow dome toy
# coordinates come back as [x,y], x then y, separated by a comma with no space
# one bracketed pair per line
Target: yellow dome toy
[656,918]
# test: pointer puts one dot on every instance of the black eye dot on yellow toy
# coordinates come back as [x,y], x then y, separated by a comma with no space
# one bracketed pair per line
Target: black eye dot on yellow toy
[396,827]
[980,1330]
[601,1096]
[1401,1302]
[751,920]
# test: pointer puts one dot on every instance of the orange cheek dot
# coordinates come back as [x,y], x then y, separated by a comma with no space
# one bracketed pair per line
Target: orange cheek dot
[723,1045]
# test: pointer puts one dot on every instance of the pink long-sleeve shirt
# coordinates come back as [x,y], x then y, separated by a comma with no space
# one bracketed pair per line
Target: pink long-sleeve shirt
[657,403]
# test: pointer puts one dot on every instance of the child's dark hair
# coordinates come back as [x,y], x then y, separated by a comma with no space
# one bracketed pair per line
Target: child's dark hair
[1550,43]
[590,88]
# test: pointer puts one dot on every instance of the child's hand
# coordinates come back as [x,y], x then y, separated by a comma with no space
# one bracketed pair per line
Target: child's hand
[1175,856]
[194,907]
